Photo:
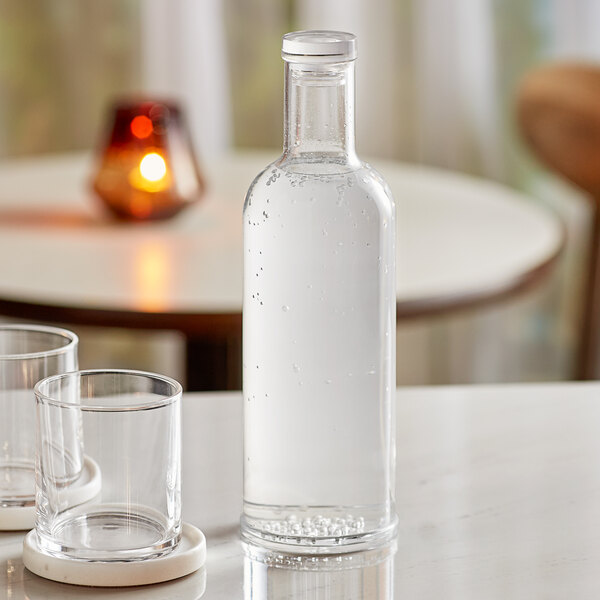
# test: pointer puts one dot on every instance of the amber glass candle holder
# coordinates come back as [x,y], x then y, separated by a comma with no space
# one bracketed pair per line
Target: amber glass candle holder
[147,168]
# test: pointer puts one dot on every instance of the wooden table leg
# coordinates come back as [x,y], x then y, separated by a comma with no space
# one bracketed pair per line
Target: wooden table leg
[213,364]
[587,359]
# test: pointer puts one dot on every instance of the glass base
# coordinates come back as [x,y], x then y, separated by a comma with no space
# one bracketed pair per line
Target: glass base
[106,533]
[17,484]
[324,530]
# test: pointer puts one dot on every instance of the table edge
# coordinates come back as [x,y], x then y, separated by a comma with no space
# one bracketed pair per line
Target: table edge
[230,323]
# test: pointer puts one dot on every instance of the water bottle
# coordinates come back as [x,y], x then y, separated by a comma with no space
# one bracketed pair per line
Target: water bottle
[319,322]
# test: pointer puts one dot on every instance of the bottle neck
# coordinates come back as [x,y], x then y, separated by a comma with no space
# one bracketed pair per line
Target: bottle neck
[319,113]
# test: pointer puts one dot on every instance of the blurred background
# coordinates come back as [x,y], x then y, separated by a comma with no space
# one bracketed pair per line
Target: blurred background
[436,85]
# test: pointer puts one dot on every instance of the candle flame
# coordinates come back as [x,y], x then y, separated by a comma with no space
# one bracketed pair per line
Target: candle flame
[153,167]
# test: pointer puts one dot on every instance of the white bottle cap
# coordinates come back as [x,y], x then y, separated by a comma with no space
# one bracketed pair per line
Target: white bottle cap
[318,46]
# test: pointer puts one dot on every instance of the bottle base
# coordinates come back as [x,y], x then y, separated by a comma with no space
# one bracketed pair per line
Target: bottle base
[319,534]
[291,560]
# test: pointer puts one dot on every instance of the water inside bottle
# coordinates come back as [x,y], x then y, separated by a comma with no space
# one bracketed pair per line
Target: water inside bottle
[318,336]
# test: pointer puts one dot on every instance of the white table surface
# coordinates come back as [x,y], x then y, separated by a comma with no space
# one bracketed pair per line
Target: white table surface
[459,240]
[498,494]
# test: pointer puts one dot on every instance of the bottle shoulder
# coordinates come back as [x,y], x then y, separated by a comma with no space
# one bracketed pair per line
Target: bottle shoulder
[261,180]
[279,178]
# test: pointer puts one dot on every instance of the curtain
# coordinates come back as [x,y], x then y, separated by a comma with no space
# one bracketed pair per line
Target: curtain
[436,82]
[61,62]
[184,57]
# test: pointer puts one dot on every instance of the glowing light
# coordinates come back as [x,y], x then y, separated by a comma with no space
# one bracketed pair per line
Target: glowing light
[153,167]
[141,126]
[150,174]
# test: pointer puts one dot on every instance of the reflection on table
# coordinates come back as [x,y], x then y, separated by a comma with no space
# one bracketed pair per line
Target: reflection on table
[355,576]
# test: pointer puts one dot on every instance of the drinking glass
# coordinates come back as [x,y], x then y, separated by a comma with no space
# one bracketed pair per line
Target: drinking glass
[28,353]
[129,425]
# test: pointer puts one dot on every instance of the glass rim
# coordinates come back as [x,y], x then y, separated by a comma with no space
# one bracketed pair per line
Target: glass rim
[73,340]
[91,407]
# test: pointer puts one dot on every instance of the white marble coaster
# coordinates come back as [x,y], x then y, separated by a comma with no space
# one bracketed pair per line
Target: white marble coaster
[188,557]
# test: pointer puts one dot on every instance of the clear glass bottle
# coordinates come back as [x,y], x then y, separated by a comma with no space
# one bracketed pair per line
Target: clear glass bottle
[319,321]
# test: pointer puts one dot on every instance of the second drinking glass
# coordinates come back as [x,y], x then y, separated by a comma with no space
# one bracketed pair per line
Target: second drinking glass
[28,353]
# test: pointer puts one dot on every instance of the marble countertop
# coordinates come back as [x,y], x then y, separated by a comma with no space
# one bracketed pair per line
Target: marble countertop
[497,494]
